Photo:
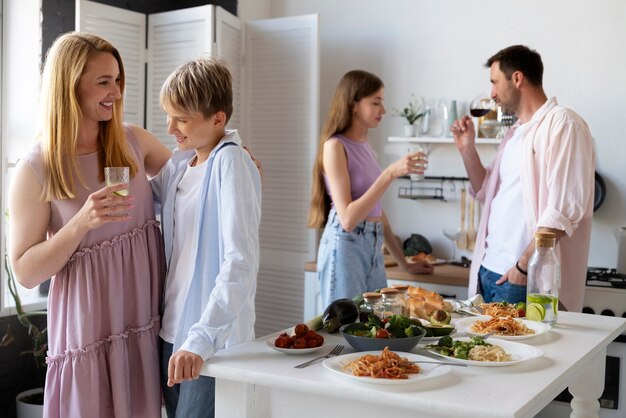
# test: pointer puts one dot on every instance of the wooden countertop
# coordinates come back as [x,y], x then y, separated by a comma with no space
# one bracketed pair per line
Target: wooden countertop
[443,274]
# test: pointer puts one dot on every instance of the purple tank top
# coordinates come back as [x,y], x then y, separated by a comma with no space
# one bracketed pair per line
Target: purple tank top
[362,168]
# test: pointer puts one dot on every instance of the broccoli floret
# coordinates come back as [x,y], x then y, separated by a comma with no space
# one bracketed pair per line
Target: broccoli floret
[398,321]
[461,352]
[445,341]
[374,321]
[413,331]
[477,340]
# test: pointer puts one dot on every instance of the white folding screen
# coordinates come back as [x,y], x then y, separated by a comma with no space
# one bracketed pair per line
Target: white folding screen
[126,30]
[228,45]
[281,113]
[174,38]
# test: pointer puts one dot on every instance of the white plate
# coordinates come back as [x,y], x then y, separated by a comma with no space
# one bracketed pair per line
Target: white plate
[428,370]
[519,352]
[270,344]
[465,325]
[430,339]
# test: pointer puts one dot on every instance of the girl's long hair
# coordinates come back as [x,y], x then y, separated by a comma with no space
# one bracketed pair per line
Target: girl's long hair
[353,86]
[60,116]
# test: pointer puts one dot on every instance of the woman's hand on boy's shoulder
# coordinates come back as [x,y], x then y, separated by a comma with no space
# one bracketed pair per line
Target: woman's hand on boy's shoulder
[258,164]
[183,365]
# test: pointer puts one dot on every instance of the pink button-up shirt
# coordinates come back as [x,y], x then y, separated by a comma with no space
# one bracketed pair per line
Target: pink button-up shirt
[557,181]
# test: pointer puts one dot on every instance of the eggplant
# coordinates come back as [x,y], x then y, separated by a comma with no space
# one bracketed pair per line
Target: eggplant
[338,313]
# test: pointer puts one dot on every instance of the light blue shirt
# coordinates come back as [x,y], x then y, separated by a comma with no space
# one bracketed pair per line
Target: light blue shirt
[219,308]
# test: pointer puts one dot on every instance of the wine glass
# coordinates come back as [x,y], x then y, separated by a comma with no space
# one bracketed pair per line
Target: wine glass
[453,235]
[481,105]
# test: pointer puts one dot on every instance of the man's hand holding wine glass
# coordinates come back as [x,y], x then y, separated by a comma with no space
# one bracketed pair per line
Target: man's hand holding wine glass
[464,133]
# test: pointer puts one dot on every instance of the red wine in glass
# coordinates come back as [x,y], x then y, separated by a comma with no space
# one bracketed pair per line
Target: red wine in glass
[479,112]
[481,105]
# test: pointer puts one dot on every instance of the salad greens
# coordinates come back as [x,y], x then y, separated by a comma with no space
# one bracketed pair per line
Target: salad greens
[397,326]
[457,349]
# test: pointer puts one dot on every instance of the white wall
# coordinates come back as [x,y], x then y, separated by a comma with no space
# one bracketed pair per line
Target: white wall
[438,48]
[22,58]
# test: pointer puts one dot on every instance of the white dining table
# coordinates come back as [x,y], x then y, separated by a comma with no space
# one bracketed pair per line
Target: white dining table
[253,380]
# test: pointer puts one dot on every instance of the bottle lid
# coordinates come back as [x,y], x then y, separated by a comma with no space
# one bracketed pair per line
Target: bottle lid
[545,239]
[402,288]
[389,291]
[371,295]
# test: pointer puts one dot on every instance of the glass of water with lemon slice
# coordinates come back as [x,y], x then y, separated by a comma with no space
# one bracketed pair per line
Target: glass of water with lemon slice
[117,175]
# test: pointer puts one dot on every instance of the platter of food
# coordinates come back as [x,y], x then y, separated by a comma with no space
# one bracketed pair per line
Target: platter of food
[300,340]
[360,367]
[429,258]
[506,328]
[485,353]
[271,343]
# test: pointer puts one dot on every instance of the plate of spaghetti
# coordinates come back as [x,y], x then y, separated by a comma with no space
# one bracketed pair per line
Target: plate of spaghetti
[384,367]
[505,328]
[490,353]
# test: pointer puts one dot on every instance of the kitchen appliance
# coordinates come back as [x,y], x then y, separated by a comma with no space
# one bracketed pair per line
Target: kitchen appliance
[605,294]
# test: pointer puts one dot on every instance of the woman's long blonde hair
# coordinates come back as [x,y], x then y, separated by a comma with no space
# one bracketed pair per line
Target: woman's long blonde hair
[60,115]
[353,86]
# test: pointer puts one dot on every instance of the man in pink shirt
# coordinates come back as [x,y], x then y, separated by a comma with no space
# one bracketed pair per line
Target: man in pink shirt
[542,179]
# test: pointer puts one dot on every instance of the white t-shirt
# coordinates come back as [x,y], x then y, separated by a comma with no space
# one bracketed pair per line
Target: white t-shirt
[507,235]
[183,250]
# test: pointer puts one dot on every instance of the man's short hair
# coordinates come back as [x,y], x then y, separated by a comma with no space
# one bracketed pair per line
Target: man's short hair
[519,58]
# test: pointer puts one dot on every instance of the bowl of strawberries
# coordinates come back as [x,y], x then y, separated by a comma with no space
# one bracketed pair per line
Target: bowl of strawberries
[300,340]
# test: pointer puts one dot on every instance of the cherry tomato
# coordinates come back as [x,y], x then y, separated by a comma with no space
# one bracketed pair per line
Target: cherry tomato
[382,333]
[521,313]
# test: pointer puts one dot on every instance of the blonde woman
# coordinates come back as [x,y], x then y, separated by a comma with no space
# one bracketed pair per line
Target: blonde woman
[348,186]
[104,252]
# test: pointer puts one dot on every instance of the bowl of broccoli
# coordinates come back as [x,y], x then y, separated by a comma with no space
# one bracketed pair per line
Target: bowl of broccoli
[397,333]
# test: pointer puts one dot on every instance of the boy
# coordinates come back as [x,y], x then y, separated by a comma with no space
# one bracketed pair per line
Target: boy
[210,197]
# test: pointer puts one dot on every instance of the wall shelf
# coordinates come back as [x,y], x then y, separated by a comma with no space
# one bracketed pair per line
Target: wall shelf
[438,140]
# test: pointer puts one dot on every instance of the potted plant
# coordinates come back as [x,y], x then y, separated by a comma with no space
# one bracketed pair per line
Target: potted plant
[411,113]
[30,402]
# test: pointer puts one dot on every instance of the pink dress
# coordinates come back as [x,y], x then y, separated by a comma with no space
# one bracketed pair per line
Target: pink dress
[103,308]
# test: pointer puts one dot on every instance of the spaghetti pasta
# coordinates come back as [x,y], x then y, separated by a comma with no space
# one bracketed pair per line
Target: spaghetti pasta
[501,326]
[388,365]
[500,310]
[488,353]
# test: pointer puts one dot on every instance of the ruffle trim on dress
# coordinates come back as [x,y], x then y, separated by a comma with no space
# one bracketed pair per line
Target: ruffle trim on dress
[79,352]
[118,238]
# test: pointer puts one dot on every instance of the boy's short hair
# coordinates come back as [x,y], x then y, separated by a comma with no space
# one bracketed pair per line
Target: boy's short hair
[203,85]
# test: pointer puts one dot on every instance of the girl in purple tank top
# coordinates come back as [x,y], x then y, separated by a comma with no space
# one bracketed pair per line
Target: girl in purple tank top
[348,186]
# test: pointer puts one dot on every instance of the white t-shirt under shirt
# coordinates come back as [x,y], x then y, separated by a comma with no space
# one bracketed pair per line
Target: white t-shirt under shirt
[507,235]
[183,250]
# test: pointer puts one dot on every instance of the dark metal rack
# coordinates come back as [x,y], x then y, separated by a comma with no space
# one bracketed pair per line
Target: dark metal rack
[431,188]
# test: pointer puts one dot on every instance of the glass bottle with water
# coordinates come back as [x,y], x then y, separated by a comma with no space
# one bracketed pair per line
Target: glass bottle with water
[544,280]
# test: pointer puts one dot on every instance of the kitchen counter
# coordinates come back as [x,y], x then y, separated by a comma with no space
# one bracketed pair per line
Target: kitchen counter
[254,381]
[444,274]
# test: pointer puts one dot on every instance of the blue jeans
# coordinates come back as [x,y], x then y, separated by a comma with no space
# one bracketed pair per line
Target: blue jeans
[190,399]
[505,292]
[350,263]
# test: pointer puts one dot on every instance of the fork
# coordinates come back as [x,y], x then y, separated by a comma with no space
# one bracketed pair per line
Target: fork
[335,352]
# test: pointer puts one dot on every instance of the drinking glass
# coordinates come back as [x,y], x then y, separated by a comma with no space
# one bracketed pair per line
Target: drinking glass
[422,164]
[117,175]
[481,105]
[452,235]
